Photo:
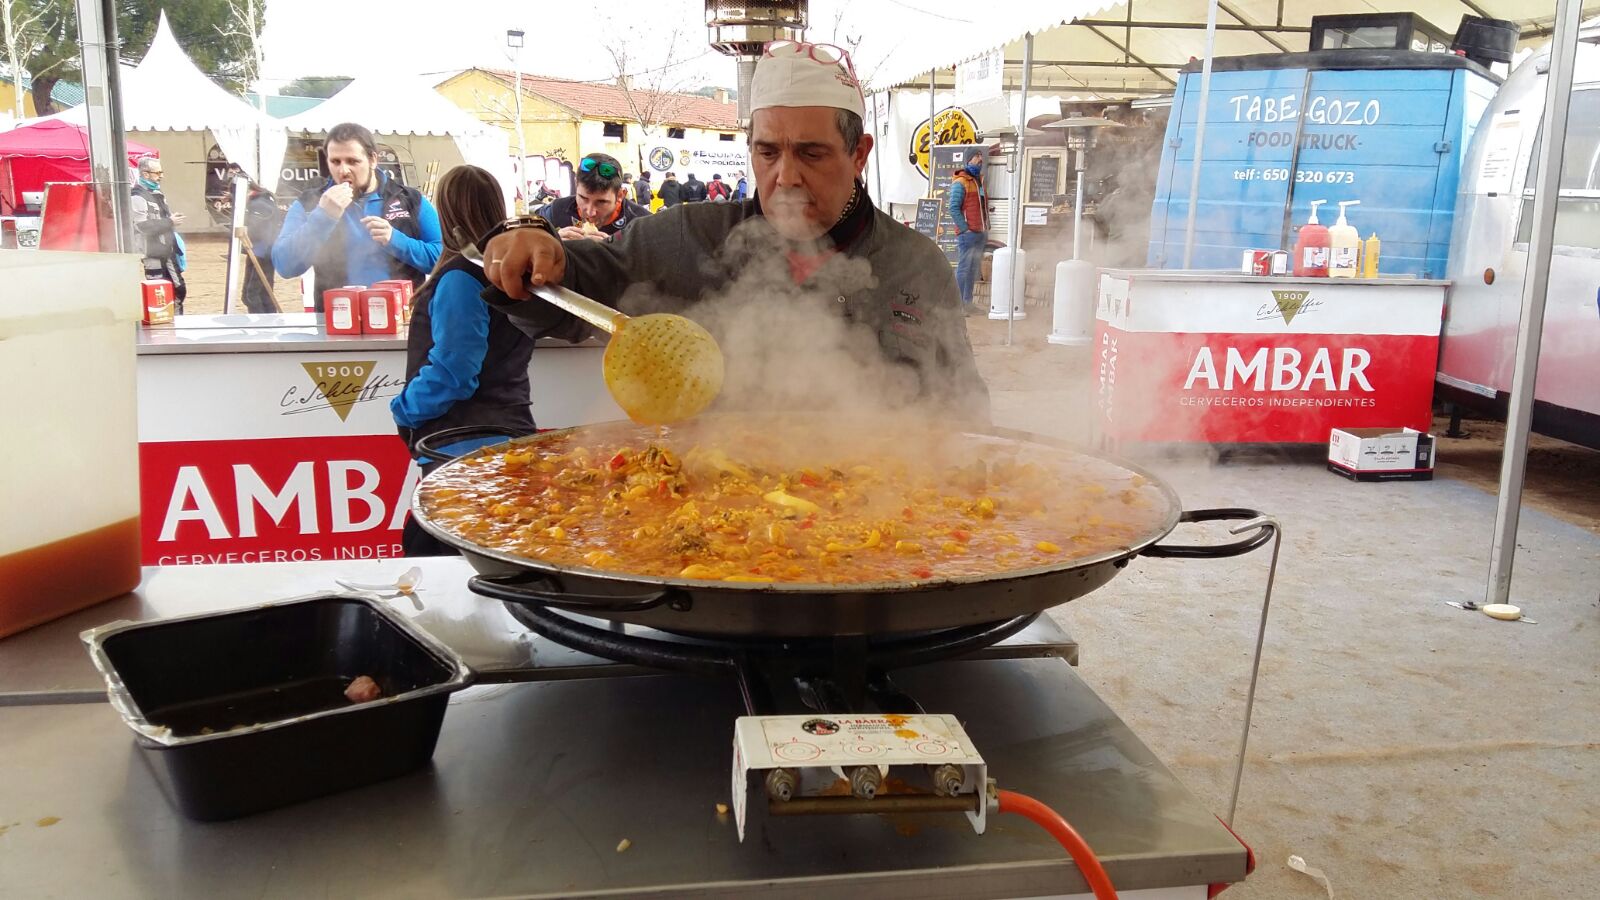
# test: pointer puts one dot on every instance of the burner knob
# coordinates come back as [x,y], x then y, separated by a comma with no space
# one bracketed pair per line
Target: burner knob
[865,782]
[947,780]
[781,785]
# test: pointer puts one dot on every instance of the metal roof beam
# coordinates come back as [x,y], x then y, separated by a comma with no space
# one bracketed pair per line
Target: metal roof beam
[1053,88]
[1283,48]
[1130,54]
[1101,64]
[1196,26]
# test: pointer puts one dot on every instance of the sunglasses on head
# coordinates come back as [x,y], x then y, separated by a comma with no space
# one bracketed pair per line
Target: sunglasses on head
[590,164]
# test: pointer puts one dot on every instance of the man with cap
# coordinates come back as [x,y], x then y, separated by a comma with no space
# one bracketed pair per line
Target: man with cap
[968,206]
[880,302]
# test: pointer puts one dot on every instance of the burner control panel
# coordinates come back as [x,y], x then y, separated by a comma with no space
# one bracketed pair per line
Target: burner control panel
[848,763]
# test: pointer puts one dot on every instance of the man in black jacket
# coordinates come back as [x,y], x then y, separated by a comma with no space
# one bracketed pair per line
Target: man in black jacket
[598,210]
[671,191]
[694,190]
[645,190]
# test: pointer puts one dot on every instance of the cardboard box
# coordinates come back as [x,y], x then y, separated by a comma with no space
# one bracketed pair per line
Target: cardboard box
[341,311]
[160,301]
[380,310]
[1381,454]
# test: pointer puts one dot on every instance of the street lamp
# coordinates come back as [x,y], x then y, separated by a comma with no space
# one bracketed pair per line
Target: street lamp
[514,42]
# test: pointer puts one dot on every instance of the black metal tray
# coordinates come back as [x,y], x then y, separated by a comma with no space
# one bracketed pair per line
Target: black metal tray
[243,711]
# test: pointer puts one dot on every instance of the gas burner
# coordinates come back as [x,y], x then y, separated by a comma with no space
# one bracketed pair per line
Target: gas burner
[844,674]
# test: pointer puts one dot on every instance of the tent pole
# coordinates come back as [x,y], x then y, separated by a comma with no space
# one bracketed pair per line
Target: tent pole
[102,87]
[933,133]
[877,161]
[1200,135]
[1018,277]
[1514,458]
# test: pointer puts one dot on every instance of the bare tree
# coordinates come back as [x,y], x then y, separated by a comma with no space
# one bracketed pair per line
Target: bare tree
[244,23]
[18,23]
[654,96]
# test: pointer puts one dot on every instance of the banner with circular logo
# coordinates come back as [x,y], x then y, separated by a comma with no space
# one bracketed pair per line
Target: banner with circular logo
[955,127]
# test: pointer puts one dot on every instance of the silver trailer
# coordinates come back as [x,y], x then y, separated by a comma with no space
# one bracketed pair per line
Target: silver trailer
[1489,256]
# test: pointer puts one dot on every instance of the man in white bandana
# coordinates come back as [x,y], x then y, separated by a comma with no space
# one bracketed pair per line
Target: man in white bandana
[809,259]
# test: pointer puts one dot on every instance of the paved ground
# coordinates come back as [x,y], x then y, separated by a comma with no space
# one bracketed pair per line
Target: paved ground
[1407,748]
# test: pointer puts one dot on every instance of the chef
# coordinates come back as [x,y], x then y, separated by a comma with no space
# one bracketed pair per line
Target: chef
[810,290]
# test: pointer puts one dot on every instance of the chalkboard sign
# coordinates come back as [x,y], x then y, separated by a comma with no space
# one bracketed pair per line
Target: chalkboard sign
[1044,173]
[928,217]
[947,160]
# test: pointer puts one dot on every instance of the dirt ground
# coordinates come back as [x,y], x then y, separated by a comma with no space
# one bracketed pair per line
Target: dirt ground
[208,269]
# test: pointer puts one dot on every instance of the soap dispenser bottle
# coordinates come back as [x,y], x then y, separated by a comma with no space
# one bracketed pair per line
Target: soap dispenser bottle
[1311,247]
[1344,246]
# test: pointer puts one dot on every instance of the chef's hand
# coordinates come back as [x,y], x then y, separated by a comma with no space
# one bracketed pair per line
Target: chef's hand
[379,228]
[335,199]
[576,233]
[524,254]
[178,219]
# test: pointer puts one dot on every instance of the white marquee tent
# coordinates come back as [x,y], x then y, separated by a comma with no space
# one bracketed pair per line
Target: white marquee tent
[168,103]
[409,107]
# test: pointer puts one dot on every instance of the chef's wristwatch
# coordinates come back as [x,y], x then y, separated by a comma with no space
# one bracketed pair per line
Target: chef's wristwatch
[516,222]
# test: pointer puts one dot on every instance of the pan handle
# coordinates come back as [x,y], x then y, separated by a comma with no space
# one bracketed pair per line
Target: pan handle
[1263,533]
[428,444]
[536,589]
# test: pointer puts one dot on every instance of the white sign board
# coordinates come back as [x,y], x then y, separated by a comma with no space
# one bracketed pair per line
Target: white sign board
[980,78]
[703,158]
[1500,153]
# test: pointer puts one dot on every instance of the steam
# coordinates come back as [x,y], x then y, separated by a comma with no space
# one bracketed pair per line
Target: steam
[791,348]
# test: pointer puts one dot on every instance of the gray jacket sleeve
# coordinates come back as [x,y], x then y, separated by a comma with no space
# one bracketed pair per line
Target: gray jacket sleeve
[601,270]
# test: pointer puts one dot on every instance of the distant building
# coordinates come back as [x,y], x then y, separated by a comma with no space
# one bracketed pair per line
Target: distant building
[64,94]
[279,107]
[568,119]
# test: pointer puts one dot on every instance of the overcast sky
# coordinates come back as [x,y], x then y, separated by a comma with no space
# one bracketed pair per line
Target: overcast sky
[570,39]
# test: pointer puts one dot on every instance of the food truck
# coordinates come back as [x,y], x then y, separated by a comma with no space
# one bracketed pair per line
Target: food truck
[1489,256]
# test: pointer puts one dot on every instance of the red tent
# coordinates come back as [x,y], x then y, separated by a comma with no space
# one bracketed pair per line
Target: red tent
[48,151]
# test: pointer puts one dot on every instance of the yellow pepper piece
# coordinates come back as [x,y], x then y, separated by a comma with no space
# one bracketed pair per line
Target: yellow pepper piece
[698,570]
[785,499]
[907,547]
[1046,547]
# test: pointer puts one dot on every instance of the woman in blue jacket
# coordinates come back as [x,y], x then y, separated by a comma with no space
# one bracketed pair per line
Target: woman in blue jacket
[466,362]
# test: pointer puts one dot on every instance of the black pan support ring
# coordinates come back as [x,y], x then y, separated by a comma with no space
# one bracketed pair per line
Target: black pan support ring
[846,666]
[1265,528]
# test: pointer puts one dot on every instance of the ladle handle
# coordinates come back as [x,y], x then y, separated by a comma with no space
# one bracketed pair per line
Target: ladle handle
[594,312]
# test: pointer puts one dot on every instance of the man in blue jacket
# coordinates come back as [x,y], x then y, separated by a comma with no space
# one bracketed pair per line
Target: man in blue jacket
[362,226]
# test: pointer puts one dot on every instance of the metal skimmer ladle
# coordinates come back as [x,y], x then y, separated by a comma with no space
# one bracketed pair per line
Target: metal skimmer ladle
[660,368]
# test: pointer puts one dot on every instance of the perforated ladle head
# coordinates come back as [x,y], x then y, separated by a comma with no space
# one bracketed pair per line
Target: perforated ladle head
[660,368]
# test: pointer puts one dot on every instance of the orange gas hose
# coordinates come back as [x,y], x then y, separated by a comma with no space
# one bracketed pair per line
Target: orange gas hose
[1051,821]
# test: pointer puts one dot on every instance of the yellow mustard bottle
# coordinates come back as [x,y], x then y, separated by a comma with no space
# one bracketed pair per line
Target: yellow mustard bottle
[1369,257]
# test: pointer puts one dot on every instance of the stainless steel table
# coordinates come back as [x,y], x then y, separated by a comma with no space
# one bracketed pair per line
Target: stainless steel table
[534,784]
[48,664]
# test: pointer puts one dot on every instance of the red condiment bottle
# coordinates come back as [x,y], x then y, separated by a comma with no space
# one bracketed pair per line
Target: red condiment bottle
[1312,247]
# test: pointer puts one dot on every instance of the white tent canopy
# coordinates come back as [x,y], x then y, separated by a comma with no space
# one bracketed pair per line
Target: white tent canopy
[167,92]
[409,106]
[1133,49]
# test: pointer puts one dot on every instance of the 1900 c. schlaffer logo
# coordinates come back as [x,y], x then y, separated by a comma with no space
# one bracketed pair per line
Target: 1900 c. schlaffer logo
[1286,305]
[339,386]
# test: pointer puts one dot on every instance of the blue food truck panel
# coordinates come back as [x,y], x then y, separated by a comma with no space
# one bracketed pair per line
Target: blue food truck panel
[1387,128]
